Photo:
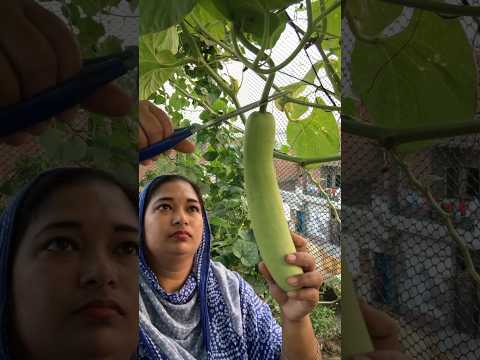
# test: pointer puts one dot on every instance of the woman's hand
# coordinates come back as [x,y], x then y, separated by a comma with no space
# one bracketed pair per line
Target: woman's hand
[155,126]
[295,305]
[38,51]
[384,332]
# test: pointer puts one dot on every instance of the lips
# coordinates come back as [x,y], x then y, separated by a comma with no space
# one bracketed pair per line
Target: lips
[101,309]
[181,234]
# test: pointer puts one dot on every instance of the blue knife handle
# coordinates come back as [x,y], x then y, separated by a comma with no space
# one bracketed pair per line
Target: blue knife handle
[53,101]
[166,144]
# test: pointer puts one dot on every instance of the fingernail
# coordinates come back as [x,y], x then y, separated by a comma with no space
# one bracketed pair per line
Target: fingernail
[291,294]
[292,281]
[291,257]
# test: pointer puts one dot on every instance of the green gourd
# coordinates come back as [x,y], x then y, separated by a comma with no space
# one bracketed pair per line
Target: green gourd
[265,207]
[355,336]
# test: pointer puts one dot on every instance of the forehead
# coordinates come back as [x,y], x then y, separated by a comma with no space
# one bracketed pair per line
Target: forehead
[176,190]
[82,201]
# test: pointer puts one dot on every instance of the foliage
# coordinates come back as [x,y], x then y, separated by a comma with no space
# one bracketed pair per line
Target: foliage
[184,66]
[109,144]
[425,74]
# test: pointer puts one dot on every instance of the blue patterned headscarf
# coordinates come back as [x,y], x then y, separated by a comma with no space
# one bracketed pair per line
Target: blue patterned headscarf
[235,323]
[7,231]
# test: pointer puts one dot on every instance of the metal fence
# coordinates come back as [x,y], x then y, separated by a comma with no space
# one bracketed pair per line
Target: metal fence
[404,258]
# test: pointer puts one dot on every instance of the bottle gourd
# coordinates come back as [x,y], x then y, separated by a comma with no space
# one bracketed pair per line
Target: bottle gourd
[265,207]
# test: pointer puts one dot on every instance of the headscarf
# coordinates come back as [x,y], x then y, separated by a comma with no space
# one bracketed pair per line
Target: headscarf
[7,232]
[235,323]
[8,221]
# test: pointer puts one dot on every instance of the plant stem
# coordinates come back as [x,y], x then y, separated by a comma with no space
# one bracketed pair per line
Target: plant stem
[439,7]
[329,201]
[288,60]
[390,137]
[303,161]
[331,73]
[309,104]
[265,40]
[446,217]
[222,83]
[198,100]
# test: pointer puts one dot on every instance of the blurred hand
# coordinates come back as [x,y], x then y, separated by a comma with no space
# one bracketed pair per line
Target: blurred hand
[384,332]
[38,51]
[299,303]
[155,125]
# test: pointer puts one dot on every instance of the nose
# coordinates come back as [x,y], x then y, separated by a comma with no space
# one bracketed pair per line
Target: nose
[97,270]
[179,218]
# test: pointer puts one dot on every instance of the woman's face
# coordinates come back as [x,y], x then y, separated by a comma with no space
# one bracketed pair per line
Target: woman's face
[173,221]
[75,276]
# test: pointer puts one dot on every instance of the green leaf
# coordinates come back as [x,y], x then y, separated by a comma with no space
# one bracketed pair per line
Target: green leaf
[210,155]
[89,32]
[93,7]
[74,149]
[349,106]
[315,136]
[333,31]
[247,252]
[109,45]
[425,75]
[211,20]
[100,155]
[295,111]
[51,141]
[373,16]
[155,53]
[160,15]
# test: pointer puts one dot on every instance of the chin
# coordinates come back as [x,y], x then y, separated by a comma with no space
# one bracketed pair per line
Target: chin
[109,344]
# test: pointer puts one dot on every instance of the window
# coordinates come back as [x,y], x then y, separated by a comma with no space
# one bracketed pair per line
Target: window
[300,226]
[472,181]
[384,279]
[452,182]
[338,180]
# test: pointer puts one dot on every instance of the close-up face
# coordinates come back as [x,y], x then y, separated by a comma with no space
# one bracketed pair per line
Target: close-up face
[75,276]
[173,221]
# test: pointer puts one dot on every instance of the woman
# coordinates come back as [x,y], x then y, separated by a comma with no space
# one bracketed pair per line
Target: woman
[194,308]
[69,269]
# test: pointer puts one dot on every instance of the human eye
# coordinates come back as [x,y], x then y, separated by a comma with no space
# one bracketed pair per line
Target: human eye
[59,244]
[194,208]
[127,248]
[163,207]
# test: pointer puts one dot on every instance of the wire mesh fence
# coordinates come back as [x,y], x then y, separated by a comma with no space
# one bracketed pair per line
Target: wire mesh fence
[405,259]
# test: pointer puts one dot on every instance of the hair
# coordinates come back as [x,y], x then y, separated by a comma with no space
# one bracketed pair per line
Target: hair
[47,184]
[173,178]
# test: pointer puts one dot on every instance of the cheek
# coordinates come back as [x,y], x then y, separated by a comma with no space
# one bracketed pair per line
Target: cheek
[155,228]
[198,230]
[41,300]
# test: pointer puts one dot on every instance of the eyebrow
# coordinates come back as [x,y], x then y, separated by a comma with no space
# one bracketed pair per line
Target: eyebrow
[78,225]
[171,199]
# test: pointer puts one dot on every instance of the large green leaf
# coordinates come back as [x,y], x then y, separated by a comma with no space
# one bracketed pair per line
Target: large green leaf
[156,51]
[156,16]
[92,7]
[51,141]
[209,18]
[423,76]
[315,136]
[249,15]
[73,149]
[372,16]
[89,31]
